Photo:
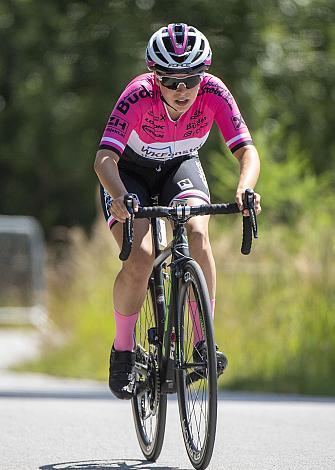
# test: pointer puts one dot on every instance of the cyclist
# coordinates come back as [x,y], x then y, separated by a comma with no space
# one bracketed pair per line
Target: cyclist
[150,147]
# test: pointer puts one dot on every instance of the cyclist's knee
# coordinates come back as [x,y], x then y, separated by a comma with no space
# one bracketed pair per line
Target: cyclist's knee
[139,265]
[197,233]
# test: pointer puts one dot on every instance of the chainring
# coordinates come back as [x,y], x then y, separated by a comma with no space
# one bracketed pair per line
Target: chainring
[149,389]
[154,384]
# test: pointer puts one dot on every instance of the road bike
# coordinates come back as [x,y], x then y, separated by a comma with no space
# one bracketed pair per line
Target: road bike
[167,360]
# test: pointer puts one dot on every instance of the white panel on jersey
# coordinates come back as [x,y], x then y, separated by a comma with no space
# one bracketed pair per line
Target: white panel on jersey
[165,150]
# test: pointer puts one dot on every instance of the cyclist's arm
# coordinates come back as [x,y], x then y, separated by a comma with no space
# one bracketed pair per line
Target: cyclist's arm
[238,139]
[248,159]
[107,170]
[228,117]
[122,121]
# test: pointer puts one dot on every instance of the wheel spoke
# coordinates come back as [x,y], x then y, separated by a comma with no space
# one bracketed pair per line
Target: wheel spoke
[196,384]
[149,407]
[196,391]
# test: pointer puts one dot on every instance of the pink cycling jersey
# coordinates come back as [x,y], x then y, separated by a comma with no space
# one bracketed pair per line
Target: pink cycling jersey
[141,127]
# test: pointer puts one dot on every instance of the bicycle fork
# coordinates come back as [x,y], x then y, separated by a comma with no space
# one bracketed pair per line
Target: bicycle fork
[172,334]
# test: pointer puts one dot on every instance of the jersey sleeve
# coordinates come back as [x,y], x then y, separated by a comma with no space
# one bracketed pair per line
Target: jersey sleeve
[228,117]
[123,119]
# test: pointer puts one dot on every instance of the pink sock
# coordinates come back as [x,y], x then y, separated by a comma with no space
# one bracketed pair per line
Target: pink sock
[194,314]
[212,308]
[125,326]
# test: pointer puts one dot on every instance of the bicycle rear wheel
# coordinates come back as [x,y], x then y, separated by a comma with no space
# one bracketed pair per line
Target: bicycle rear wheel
[197,375]
[149,405]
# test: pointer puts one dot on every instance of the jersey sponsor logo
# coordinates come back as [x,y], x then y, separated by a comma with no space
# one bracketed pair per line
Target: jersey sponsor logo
[124,104]
[154,124]
[117,125]
[195,127]
[216,89]
[195,132]
[161,117]
[132,91]
[238,121]
[197,114]
[185,184]
[212,88]
[152,131]
[152,152]
[165,153]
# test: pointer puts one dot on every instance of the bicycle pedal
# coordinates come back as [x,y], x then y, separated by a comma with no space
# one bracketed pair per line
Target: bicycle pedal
[222,363]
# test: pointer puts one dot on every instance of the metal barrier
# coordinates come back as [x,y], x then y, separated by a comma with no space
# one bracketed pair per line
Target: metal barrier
[21,271]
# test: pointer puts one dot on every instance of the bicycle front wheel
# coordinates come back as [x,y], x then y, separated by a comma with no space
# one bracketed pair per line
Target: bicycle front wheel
[197,373]
[149,405]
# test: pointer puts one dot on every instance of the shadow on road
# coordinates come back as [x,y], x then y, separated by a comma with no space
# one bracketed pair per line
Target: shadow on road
[128,464]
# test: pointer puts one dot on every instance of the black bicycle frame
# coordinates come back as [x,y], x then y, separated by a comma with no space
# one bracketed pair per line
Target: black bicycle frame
[166,319]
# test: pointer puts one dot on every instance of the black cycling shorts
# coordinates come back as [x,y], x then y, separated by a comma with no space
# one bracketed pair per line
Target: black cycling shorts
[170,180]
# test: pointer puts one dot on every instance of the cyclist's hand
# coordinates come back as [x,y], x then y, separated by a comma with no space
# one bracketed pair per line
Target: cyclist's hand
[118,209]
[240,197]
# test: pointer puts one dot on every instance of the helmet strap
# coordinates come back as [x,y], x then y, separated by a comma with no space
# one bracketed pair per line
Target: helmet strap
[164,100]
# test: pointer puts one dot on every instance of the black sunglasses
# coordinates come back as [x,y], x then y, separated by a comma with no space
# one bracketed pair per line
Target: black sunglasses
[173,82]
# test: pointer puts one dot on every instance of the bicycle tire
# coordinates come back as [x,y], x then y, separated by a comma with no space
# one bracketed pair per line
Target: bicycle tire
[196,386]
[149,407]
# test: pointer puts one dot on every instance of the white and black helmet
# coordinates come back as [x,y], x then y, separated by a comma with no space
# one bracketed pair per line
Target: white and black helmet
[178,48]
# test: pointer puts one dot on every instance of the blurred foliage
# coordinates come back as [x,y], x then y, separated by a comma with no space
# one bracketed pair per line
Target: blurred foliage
[77,340]
[63,65]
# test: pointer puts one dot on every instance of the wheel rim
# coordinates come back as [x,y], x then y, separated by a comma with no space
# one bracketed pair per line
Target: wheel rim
[147,400]
[197,384]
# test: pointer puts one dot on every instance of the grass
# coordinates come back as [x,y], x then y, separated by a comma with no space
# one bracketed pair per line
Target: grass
[275,315]
[277,319]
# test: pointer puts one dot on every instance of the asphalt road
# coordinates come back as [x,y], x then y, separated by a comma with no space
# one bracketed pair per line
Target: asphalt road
[53,424]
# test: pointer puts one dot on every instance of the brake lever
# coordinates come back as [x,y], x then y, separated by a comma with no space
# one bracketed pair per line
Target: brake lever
[129,202]
[128,227]
[249,205]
